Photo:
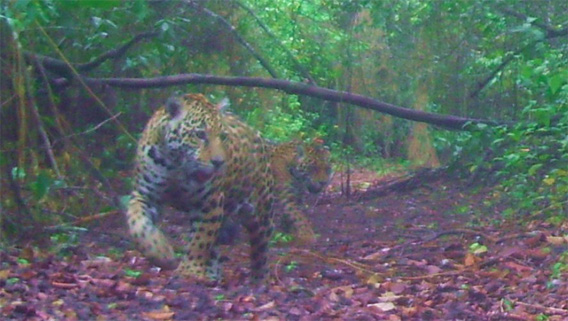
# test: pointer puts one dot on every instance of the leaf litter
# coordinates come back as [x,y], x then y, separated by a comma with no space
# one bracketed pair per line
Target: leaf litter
[407,254]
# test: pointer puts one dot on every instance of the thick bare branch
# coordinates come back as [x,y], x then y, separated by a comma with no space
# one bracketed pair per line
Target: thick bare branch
[446,121]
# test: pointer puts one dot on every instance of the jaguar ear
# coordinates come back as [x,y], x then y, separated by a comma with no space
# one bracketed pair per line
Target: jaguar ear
[173,107]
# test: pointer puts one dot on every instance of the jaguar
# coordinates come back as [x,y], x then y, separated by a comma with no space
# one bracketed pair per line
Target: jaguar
[218,166]
[299,167]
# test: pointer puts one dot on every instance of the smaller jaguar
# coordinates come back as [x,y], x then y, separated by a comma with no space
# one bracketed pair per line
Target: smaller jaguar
[297,167]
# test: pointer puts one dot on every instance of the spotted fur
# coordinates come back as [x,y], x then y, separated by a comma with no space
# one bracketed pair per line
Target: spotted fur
[297,167]
[217,165]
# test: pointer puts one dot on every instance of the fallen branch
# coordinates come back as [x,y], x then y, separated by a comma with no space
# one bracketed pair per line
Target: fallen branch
[545,309]
[445,121]
[459,231]
[332,260]
[405,183]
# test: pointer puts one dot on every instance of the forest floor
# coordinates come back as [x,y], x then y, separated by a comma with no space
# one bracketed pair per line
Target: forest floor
[424,253]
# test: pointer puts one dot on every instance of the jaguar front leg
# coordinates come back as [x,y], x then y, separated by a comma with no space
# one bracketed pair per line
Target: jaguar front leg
[293,217]
[202,262]
[143,209]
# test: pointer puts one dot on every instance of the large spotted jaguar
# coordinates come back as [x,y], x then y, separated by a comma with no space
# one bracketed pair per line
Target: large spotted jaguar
[217,165]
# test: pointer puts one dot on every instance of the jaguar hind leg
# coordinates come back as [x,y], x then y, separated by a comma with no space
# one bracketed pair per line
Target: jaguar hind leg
[259,230]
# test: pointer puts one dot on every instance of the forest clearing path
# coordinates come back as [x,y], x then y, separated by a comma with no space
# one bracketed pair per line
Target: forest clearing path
[428,253]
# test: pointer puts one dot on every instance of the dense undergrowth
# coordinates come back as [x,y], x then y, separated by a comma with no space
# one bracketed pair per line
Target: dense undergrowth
[66,152]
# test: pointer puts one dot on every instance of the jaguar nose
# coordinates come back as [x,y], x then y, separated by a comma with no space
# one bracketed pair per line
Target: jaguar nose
[217,162]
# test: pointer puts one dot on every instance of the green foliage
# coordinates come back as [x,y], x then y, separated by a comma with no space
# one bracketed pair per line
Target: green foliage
[281,238]
[132,273]
[542,317]
[528,159]
[291,266]
[11,281]
[283,124]
[477,248]
[560,267]
[383,49]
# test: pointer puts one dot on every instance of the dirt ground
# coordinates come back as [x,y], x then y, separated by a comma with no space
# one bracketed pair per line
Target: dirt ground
[427,253]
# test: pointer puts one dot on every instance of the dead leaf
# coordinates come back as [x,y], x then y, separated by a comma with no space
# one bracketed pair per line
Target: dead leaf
[347,291]
[557,240]
[394,317]
[519,268]
[389,297]
[27,253]
[266,306]
[383,306]
[159,315]
[432,269]
[398,288]
[4,274]
[471,259]
[374,280]
[375,256]
[64,285]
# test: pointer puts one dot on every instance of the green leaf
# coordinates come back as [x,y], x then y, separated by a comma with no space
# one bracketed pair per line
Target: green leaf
[132,273]
[533,169]
[12,281]
[18,173]
[86,4]
[41,185]
[477,248]
[556,82]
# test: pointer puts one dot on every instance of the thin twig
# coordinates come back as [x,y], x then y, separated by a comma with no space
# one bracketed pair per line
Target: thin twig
[115,53]
[551,32]
[237,36]
[99,125]
[83,83]
[46,142]
[545,309]
[64,68]
[82,220]
[266,29]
